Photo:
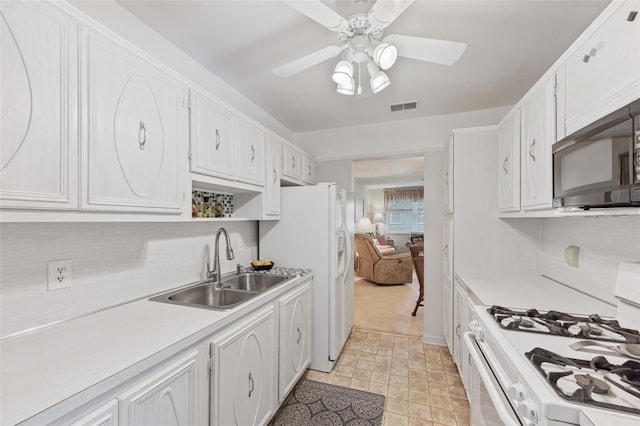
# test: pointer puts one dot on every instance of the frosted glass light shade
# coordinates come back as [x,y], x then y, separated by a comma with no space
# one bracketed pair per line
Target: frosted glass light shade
[385,55]
[346,89]
[343,73]
[379,81]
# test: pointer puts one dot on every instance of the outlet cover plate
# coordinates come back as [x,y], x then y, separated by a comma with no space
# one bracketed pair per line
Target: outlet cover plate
[59,274]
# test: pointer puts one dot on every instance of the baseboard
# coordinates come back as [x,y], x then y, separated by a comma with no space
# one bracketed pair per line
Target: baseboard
[434,340]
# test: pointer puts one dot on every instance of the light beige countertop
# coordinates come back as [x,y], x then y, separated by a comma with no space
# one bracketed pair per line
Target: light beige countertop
[97,352]
[532,291]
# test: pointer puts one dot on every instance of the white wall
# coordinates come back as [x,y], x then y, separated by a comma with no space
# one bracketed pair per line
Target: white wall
[112,263]
[433,223]
[122,22]
[603,242]
[395,138]
[335,171]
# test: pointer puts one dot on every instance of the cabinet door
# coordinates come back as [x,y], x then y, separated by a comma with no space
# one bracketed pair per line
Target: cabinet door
[537,128]
[272,178]
[38,97]
[244,383]
[295,338]
[212,138]
[509,164]
[308,169]
[447,250]
[291,162]
[250,152]
[134,126]
[603,74]
[105,415]
[165,398]
[458,308]
[448,177]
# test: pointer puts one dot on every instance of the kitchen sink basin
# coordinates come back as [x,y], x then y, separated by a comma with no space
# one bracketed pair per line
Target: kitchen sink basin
[210,296]
[252,282]
[233,290]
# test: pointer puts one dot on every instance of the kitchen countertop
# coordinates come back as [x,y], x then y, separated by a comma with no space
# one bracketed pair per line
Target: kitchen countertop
[533,291]
[97,352]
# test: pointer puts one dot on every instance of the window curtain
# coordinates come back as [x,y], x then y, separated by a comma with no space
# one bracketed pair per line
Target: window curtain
[395,195]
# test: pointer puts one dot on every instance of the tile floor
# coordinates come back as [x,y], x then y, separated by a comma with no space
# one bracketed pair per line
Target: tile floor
[420,382]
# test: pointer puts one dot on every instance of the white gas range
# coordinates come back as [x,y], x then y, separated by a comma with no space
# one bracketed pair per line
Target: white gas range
[531,367]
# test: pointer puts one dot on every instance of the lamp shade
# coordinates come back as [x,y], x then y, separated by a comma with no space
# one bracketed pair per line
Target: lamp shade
[378,218]
[346,89]
[379,79]
[364,225]
[343,72]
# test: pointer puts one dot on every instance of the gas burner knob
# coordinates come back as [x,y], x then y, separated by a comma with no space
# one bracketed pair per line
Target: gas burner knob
[477,330]
[528,411]
[517,392]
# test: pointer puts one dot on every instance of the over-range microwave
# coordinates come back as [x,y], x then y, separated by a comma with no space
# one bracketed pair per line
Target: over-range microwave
[599,166]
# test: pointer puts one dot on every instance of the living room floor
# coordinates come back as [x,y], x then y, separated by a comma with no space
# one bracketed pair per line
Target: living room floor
[385,355]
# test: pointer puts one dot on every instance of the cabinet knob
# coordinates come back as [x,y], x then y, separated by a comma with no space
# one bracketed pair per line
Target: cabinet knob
[217,139]
[253,153]
[275,175]
[504,164]
[299,335]
[142,136]
[293,159]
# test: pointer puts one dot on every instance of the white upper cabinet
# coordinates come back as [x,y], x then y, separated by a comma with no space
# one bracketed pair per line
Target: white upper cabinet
[448,177]
[134,131]
[212,138]
[38,97]
[244,384]
[509,163]
[291,162]
[603,73]
[167,397]
[537,127]
[272,177]
[308,169]
[250,152]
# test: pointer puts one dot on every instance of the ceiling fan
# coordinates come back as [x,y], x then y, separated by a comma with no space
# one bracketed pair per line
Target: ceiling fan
[361,43]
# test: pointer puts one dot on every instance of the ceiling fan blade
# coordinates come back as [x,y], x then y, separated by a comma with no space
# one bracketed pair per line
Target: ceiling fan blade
[320,13]
[384,12]
[301,64]
[427,49]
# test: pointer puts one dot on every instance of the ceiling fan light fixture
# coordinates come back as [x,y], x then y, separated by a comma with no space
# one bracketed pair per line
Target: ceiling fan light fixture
[385,55]
[379,79]
[343,73]
[346,89]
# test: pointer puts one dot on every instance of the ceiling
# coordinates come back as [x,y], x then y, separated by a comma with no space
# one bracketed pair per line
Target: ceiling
[388,172]
[511,43]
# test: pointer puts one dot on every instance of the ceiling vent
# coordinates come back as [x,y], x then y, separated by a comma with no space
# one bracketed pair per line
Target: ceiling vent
[404,106]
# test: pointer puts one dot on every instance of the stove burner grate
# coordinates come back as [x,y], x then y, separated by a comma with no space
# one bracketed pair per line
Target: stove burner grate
[586,381]
[591,327]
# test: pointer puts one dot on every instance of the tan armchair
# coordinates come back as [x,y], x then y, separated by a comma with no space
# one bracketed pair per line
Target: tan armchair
[372,265]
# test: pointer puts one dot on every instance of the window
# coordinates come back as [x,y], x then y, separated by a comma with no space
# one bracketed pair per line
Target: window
[406,216]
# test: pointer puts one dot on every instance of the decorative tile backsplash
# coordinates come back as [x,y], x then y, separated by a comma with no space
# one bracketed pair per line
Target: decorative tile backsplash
[199,209]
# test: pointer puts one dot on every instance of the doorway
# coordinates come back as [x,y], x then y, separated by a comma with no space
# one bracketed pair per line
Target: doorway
[388,308]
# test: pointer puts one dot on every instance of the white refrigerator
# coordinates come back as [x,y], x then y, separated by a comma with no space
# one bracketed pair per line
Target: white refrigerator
[315,231]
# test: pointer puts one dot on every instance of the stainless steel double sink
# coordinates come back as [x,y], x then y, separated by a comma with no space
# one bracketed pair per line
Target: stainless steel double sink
[231,291]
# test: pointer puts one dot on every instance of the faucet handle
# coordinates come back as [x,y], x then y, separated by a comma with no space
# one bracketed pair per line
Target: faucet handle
[239,268]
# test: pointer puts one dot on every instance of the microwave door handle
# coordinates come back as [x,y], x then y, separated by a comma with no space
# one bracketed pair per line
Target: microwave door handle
[505,412]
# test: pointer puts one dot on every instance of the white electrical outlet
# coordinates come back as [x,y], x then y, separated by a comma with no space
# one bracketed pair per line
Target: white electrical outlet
[571,255]
[59,275]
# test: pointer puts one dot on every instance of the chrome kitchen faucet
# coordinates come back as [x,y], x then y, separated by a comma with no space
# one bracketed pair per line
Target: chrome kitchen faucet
[215,272]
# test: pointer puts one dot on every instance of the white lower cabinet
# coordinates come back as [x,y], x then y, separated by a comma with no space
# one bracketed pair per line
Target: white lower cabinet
[295,338]
[105,415]
[463,314]
[166,397]
[244,371]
